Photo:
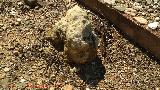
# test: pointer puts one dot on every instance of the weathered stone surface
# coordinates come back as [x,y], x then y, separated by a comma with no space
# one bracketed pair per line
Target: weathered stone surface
[80,41]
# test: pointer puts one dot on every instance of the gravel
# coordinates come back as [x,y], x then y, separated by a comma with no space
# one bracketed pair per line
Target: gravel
[29,62]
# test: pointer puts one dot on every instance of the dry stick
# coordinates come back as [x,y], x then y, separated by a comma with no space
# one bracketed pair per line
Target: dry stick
[136,33]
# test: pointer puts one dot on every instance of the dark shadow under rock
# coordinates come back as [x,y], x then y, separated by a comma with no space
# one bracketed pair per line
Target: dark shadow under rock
[32,3]
[56,39]
[92,73]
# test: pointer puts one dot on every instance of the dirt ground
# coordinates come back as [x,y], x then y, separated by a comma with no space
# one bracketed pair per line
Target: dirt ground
[28,62]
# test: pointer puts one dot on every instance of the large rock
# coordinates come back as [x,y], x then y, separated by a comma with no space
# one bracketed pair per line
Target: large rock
[80,41]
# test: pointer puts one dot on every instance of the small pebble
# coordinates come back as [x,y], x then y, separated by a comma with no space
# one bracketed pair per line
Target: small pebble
[59,84]
[157,18]
[155,7]
[15,52]
[52,88]
[22,80]
[149,1]
[6,69]
[120,7]
[73,70]
[20,3]
[69,1]
[2,76]
[137,7]
[68,87]
[150,10]
[17,23]
[88,88]
[4,27]
[157,88]
[156,1]
[141,20]
[130,11]
[153,25]
[18,19]
[39,81]
[1,24]
[13,12]
[143,13]
[138,1]
[108,1]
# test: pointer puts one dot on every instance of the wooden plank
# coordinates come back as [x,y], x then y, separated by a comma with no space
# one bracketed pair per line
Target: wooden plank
[136,33]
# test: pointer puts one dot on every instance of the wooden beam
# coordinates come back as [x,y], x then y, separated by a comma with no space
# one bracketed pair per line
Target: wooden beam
[136,33]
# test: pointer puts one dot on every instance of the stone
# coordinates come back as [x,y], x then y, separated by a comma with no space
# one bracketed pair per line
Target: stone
[1,24]
[73,70]
[13,12]
[143,14]
[22,80]
[157,18]
[141,20]
[138,7]
[69,1]
[20,3]
[6,69]
[4,27]
[149,1]
[150,10]
[108,1]
[16,23]
[16,52]
[68,87]
[120,7]
[138,1]
[118,1]
[157,88]
[88,88]
[2,76]
[130,11]
[156,1]
[39,81]
[153,25]
[81,43]
[18,19]
[52,88]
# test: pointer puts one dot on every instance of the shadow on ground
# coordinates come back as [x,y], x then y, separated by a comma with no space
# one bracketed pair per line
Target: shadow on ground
[92,73]
[145,51]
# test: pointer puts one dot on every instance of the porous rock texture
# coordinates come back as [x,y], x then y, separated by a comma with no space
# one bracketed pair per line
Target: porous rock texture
[81,43]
